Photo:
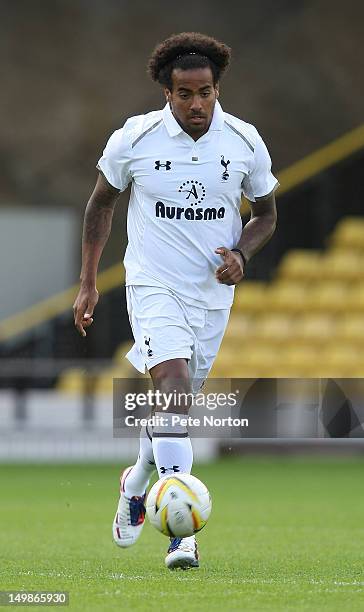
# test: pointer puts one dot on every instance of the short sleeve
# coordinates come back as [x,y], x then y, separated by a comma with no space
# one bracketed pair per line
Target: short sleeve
[260,181]
[115,161]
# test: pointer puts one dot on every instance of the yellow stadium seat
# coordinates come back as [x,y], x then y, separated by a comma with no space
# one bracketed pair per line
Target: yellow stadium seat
[314,328]
[233,370]
[302,265]
[72,381]
[299,361]
[340,360]
[104,382]
[350,328]
[286,297]
[263,329]
[357,371]
[349,234]
[258,356]
[240,326]
[250,297]
[329,297]
[356,299]
[224,363]
[251,361]
[273,328]
[79,381]
[341,265]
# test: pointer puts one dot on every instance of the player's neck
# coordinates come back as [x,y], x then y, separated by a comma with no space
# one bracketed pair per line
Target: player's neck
[194,135]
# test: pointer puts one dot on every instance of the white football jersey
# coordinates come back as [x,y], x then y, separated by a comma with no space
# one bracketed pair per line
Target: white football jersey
[185,198]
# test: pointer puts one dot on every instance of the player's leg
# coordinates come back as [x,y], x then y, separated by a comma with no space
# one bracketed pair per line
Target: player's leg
[159,329]
[209,338]
[172,446]
[183,553]
[130,514]
[208,328]
[139,475]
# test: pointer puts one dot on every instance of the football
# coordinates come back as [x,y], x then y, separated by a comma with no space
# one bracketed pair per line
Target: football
[178,505]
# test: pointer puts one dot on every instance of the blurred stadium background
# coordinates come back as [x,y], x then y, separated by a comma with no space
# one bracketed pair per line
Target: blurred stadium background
[72,72]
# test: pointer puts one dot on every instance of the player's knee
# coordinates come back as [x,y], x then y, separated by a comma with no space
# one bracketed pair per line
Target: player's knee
[171,379]
[171,374]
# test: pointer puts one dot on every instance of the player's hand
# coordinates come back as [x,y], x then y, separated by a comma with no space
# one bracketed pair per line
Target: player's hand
[83,308]
[231,271]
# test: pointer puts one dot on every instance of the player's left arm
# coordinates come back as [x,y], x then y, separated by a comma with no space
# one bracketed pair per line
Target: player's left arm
[256,233]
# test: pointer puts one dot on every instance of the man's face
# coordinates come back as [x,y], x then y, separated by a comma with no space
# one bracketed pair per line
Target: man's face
[192,99]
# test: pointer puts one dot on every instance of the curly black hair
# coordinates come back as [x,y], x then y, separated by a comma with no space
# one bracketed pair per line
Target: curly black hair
[185,51]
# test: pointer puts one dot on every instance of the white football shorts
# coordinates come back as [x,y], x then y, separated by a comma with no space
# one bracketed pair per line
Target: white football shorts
[165,327]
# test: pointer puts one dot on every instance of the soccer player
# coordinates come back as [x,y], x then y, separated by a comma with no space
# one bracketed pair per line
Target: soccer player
[188,165]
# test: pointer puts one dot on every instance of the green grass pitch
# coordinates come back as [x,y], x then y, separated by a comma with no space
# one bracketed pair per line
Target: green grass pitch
[284,534]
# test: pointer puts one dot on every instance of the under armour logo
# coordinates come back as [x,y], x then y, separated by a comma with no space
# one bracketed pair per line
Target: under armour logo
[174,468]
[147,342]
[159,165]
[225,174]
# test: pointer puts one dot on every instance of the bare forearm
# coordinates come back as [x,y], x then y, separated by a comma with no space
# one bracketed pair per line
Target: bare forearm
[261,226]
[256,233]
[96,229]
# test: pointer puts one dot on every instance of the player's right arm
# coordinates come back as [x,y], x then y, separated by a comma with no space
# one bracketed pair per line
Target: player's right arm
[96,230]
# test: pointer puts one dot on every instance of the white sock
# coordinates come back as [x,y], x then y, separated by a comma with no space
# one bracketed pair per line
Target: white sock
[139,476]
[172,447]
